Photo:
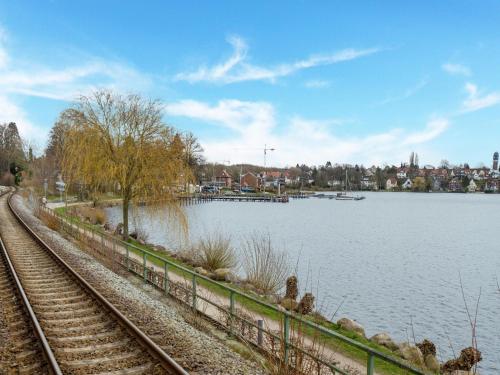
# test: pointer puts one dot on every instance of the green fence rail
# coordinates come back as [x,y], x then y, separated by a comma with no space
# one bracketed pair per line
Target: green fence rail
[282,343]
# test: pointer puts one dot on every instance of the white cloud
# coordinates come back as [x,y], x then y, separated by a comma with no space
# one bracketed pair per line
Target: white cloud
[250,125]
[237,69]
[317,84]
[433,129]
[406,94]
[25,78]
[456,69]
[68,83]
[475,101]
[233,114]
[11,112]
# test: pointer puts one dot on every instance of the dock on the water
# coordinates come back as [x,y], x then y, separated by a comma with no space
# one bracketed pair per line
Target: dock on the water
[234,198]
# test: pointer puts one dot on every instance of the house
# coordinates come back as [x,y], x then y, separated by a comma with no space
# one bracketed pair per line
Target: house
[368,183]
[455,186]
[402,173]
[475,175]
[335,184]
[472,187]
[492,186]
[407,184]
[274,178]
[224,179]
[440,174]
[251,180]
[391,183]
[494,174]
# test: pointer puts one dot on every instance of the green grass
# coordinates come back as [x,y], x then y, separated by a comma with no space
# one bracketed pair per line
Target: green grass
[253,306]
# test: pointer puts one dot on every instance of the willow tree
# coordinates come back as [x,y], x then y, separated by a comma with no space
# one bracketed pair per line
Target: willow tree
[122,140]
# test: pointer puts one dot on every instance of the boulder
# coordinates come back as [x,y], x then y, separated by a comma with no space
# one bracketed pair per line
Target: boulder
[202,271]
[119,229]
[427,347]
[306,304]
[289,304]
[465,362]
[223,274]
[108,227]
[432,363]
[351,325]
[411,353]
[384,339]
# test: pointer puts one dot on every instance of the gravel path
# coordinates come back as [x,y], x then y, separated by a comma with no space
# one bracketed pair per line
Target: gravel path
[163,320]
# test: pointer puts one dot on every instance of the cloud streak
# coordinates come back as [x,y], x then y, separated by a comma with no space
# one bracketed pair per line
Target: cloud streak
[27,79]
[237,68]
[407,93]
[456,69]
[477,101]
[252,124]
[317,84]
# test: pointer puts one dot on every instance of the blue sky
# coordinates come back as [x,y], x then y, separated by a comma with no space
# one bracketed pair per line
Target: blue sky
[359,82]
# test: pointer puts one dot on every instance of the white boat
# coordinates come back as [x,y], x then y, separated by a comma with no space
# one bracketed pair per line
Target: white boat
[348,196]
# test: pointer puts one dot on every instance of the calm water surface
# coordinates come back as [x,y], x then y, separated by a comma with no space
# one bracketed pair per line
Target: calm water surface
[393,258]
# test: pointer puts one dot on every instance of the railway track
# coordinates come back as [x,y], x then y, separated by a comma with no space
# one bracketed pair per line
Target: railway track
[80,332]
[20,351]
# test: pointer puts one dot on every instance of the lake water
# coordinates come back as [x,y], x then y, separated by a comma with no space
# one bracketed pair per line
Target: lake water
[393,258]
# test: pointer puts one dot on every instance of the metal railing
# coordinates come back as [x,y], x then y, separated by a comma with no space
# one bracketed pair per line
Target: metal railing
[284,343]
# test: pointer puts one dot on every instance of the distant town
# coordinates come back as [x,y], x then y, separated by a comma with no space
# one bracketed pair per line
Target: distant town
[408,176]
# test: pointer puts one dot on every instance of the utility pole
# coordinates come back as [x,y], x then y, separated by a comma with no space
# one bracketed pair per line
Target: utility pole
[265,172]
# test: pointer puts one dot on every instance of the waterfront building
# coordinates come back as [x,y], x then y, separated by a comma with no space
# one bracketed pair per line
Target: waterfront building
[472,187]
[391,183]
[251,180]
[407,184]
[224,179]
[455,185]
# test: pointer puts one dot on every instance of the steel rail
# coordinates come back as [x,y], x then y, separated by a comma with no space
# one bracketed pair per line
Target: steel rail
[47,351]
[167,362]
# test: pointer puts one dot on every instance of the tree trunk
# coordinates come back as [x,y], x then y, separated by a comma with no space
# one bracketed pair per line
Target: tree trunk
[126,202]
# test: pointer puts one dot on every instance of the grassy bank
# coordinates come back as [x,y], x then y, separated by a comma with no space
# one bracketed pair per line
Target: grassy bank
[254,307]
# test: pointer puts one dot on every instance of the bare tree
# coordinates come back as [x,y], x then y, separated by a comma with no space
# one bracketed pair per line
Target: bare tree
[123,140]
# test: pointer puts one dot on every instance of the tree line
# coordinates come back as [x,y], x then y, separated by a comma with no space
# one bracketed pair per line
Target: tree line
[13,159]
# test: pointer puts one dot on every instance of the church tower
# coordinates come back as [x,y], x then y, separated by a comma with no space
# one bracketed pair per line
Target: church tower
[495,161]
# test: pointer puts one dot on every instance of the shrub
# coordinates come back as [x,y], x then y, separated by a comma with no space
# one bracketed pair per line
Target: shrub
[215,251]
[93,215]
[50,221]
[100,216]
[264,266]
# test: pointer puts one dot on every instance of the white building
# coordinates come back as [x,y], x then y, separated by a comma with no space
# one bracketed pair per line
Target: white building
[407,184]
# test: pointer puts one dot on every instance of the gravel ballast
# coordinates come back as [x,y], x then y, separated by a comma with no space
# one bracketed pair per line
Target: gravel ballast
[160,318]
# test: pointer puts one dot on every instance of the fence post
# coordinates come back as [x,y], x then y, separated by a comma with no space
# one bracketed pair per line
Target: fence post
[370,365]
[260,333]
[128,257]
[286,336]
[231,311]
[145,268]
[194,292]
[165,277]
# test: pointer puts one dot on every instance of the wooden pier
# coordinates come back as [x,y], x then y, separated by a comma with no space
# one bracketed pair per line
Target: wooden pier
[200,198]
